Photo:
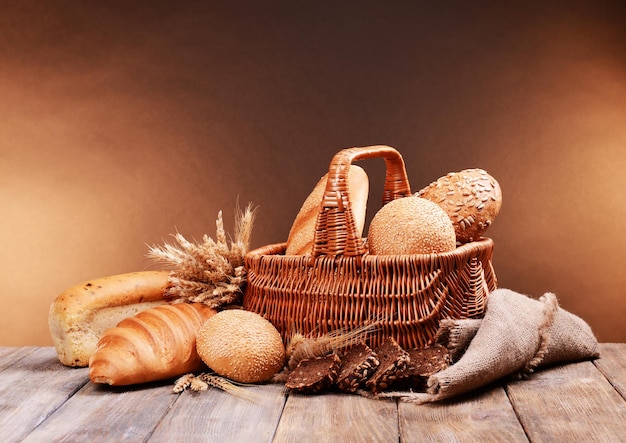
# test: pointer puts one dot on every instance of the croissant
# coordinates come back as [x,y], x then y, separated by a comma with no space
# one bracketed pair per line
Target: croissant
[156,344]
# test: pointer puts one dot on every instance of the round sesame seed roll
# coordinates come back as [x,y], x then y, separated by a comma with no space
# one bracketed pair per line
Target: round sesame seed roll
[410,225]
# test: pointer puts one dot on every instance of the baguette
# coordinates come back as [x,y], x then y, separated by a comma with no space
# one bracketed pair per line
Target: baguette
[156,344]
[302,234]
[79,316]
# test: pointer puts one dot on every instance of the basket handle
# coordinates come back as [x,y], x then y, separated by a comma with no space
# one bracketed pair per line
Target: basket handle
[335,229]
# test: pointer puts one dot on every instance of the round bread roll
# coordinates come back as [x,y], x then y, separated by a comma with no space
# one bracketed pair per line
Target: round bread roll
[410,225]
[302,233]
[241,345]
[472,199]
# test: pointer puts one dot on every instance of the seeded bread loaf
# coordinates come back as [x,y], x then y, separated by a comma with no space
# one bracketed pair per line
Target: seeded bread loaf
[472,199]
[81,314]
[302,233]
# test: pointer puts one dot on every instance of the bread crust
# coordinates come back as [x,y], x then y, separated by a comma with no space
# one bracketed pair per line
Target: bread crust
[357,365]
[301,236]
[472,199]
[393,366]
[242,346]
[81,314]
[156,344]
[411,225]
[314,375]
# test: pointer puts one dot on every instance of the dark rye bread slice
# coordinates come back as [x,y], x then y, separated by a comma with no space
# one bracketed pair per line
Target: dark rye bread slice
[393,365]
[357,364]
[423,363]
[314,374]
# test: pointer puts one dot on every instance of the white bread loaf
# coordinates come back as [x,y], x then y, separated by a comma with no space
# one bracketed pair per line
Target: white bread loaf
[156,344]
[302,233]
[79,316]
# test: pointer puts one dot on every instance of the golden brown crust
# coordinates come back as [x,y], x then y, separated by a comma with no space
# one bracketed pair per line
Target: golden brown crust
[79,315]
[156,344]
[472,199]
[410,225]
[301,235]
[242,346]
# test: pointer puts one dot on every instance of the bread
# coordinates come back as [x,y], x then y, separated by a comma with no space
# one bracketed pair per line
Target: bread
[314,375]
[79,316]
[301,236]
[410,225]
[242,346]
[156,344]
[423,363]
[472,199]
[357,364]
[393,365]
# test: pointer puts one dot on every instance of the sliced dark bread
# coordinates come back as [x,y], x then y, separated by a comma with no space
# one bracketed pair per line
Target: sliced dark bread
[357,364]
[423,363]
[393,365]
[314,374]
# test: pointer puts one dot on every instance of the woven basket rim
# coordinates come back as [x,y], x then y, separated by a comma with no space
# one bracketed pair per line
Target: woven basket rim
[461,250]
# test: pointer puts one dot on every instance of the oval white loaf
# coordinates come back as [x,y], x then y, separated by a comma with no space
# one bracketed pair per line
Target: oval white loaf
[302,233]
[81,314]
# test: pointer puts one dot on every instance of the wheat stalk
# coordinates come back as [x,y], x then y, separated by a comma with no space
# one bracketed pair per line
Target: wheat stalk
[204,381]
[301,348]
[211,271]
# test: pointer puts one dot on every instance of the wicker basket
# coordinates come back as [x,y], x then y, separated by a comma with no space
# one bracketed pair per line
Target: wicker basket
[341,286]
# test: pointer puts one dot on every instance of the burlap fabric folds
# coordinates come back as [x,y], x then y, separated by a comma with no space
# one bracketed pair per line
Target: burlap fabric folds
[517,335]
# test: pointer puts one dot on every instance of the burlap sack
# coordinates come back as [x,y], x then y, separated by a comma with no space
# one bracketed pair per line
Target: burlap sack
[516,335]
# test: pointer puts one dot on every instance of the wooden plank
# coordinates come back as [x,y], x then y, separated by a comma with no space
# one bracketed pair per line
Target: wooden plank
[573,402]
[9,355]
[612,363]
[335,417]
[214,415]
[486,416]
[108,414]
[33,388]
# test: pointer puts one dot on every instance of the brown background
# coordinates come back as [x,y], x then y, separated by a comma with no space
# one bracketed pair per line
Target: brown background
[122,122]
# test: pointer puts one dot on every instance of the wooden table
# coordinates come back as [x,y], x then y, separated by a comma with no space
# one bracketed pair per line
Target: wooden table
[40,400]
